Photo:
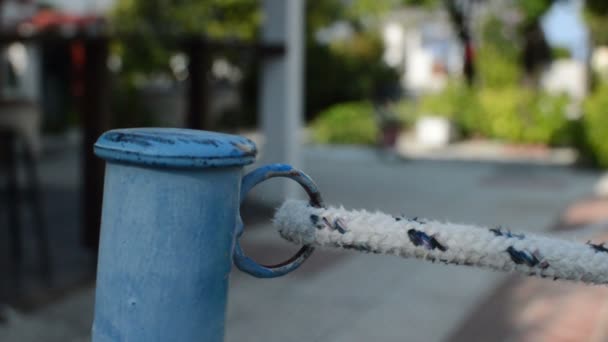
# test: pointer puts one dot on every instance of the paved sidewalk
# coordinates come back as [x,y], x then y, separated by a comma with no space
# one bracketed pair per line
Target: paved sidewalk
[530,309]
[347,296]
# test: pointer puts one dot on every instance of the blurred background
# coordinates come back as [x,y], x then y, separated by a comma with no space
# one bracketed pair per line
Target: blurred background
[476,111]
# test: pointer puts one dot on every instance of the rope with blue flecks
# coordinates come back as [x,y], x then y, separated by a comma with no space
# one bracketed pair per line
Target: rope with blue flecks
[495,248]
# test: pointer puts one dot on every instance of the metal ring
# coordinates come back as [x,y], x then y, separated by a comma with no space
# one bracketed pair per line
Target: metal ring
[248,265]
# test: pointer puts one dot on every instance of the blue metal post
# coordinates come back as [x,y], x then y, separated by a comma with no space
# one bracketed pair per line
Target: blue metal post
[171,201]
[169,229]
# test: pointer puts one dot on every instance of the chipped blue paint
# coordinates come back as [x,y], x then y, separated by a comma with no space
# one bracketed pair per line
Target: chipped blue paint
[170,223]
[174,147]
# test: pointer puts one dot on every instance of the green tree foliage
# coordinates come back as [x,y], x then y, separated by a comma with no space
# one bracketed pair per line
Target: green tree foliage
[596,16]
[595,118]
[344,70]
[595,123]
[533,10]
[510,114]
[500,107]
[496,69]
[152,27]
[507,113]
[448,103]
[213,18]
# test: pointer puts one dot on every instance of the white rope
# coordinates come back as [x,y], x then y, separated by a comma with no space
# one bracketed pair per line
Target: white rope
[494,248]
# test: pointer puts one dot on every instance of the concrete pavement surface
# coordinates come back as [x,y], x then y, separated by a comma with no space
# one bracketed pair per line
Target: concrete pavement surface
[347,296]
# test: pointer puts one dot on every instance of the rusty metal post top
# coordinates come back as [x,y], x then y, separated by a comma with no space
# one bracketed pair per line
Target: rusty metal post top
[175,147]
